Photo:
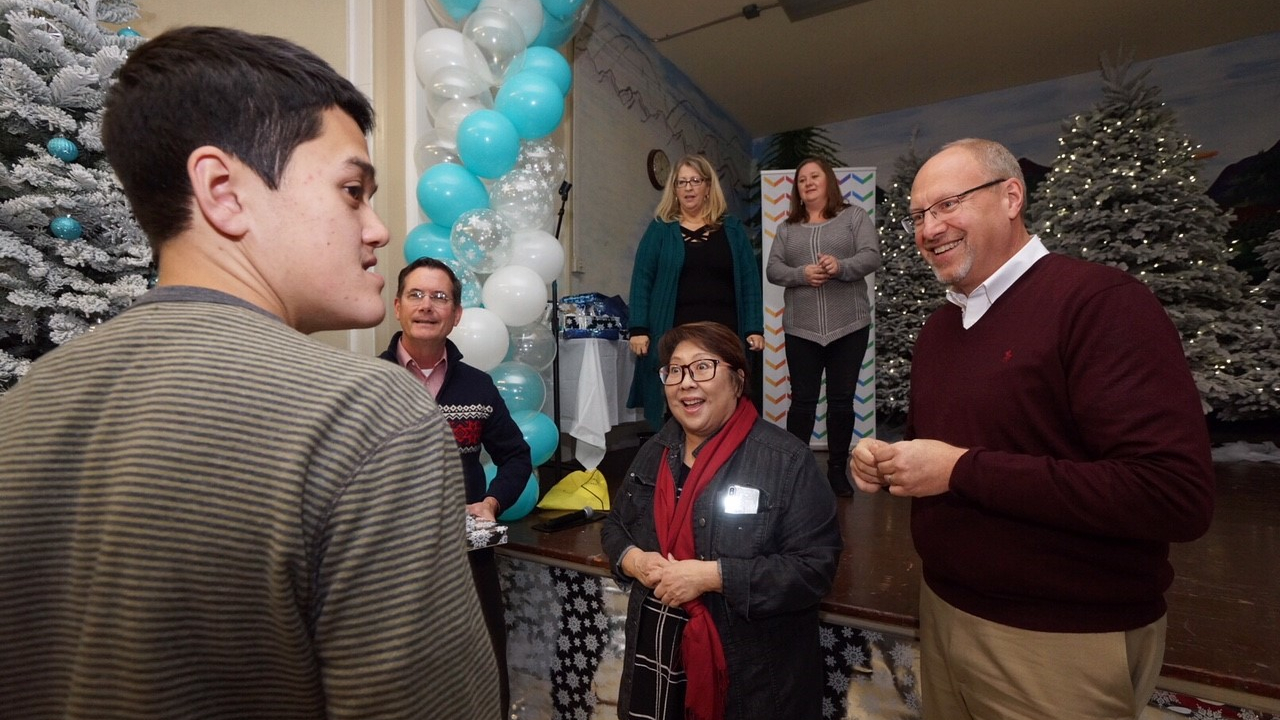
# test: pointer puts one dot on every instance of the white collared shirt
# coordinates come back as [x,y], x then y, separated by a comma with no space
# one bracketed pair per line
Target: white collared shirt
[977,303]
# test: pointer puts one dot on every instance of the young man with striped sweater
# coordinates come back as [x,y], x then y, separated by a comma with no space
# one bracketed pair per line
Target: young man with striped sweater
[203,512]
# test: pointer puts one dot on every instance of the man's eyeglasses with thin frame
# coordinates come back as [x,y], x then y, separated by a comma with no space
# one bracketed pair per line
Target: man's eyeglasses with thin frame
[690,182]
[945,206]
[437,297]
[699,370]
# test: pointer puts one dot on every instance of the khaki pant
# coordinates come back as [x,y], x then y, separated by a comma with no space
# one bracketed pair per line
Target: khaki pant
[974,669]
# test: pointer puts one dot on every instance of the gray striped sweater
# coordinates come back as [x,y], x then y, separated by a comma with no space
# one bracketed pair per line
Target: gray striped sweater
[205,514]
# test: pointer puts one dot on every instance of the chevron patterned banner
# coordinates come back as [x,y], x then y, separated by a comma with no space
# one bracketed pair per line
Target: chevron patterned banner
[858,185]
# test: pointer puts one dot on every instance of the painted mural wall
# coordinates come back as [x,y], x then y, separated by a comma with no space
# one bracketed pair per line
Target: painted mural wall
[1226,97]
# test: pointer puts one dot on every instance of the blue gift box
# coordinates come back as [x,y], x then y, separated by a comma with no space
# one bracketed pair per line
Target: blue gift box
[593,315]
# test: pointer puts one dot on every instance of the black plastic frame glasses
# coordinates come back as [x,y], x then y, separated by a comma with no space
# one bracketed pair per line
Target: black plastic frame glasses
[690,182]
[699,370]
[945,206]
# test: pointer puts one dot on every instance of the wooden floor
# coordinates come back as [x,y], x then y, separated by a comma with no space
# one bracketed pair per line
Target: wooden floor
[1224,605]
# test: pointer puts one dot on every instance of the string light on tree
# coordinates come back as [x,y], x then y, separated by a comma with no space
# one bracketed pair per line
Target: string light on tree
[1160,226]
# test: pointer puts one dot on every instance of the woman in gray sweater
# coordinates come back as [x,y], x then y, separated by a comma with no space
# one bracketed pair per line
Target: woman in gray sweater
[822,254]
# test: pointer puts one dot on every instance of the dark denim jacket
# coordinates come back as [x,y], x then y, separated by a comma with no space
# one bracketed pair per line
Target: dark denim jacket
[776,565]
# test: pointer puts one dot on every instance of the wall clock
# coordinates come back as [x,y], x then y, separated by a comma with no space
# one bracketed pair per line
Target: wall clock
[659,166]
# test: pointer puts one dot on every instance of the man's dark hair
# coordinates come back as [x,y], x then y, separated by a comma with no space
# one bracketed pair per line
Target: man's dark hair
[255,97]
[434,264]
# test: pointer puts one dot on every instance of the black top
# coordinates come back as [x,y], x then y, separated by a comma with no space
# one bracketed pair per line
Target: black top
[706,289]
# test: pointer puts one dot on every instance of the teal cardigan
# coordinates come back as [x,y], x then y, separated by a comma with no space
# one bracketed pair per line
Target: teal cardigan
[654,281]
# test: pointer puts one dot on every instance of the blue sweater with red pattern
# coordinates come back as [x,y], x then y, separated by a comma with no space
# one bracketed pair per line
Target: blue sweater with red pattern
[470,401]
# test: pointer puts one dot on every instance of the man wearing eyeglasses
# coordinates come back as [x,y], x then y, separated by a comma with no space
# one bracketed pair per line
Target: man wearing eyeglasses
[1055,447]
[428,305]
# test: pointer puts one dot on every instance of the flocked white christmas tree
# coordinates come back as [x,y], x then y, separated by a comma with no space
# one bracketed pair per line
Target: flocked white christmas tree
[71,254]
[1124,191]
[1268,290]
[906,294]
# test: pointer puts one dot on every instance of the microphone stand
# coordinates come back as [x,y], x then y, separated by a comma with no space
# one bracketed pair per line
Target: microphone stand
[563,192]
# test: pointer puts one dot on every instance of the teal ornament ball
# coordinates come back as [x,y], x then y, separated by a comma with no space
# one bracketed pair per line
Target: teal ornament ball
[66,228]
[128,32]
[63,149]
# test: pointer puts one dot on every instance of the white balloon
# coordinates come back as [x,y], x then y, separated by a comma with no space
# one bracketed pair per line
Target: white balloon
[442,47]
[522,199]
[499,38]
[516,294]
[452,82]
[450,116]
[544,158]
[533,344]
[482,337]
[528,13]
[539,251]
[481,240]
[470,286]
[428,152]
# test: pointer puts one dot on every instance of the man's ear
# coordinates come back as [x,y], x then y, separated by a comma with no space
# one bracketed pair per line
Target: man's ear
[216,184]
[1016,195]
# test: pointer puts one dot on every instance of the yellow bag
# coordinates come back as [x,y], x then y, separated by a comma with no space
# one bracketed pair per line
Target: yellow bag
[583,488]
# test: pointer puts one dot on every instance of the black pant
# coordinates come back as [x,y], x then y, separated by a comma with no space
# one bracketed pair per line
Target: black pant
[842,361]
[484,570]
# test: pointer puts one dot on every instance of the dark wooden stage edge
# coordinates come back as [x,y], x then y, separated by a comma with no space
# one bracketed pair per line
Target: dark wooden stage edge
[1224,606]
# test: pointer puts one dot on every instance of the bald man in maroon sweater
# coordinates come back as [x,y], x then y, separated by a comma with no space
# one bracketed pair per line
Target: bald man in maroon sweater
[1055,446]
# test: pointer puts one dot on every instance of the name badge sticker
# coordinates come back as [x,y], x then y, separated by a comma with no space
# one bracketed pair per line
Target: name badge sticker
[741,500]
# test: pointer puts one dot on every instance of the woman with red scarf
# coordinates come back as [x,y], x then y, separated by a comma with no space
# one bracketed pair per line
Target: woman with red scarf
[725,529]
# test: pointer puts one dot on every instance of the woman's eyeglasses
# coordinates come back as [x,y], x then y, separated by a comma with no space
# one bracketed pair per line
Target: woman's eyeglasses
[699,370]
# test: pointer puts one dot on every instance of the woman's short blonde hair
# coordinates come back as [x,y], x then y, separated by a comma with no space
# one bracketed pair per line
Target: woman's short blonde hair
[668,209]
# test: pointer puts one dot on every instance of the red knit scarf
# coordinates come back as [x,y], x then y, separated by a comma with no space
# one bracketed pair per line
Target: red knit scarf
[703,655]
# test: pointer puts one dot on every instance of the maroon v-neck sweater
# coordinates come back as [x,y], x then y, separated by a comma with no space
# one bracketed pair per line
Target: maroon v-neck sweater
[1088,452]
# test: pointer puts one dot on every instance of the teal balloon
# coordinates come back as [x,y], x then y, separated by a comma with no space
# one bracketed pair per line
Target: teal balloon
[459,9]
[532,102]
[520,386]
[428,240]
[549,62]
[540,433]
[488,143]
[525,504]
[445,191]
[556,31]
[127,32]
[490,472]
[562,8]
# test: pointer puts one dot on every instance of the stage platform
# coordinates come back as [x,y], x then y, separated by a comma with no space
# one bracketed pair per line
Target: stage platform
[1224,605]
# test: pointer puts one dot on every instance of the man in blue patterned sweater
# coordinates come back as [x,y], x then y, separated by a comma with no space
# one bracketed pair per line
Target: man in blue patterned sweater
[428,305]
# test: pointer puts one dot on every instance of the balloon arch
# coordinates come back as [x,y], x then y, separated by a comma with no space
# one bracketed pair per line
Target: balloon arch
[495,88]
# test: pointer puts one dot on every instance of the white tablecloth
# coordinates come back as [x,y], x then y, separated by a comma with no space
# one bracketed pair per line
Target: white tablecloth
[595,377]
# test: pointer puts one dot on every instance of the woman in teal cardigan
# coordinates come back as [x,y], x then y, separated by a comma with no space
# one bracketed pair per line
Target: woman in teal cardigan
[694,263]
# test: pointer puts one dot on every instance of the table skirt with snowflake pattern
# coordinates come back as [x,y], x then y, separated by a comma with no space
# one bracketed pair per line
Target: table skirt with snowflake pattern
[565,644]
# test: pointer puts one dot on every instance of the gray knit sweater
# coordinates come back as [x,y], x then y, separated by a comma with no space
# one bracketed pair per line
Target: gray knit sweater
[840,306]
